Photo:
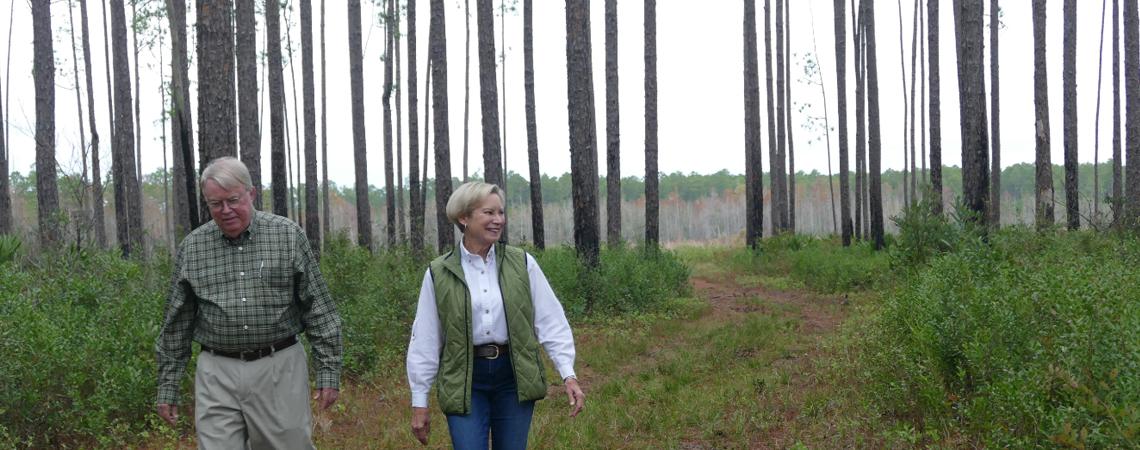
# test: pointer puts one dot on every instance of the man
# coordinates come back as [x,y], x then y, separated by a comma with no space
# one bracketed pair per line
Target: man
[244,285]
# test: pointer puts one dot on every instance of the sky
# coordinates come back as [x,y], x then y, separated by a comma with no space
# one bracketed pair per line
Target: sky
[700,85]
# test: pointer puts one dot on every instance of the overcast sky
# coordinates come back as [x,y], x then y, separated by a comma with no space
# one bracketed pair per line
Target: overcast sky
[700,85]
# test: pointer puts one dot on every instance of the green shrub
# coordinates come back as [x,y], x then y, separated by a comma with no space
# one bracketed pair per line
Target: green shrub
[822,264]
[9,247]
[628,280]
[1030,340]
[923,234]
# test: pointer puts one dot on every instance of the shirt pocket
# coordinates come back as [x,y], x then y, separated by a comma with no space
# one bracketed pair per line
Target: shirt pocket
[276,272]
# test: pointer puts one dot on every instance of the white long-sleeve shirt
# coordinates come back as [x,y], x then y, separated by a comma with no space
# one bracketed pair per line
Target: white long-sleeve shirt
[489,322]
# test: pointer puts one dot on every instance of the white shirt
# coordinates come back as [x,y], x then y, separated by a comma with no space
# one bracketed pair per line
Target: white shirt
[489,323]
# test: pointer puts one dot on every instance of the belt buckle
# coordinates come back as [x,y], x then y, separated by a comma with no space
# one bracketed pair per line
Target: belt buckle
[241,355]
[496,347]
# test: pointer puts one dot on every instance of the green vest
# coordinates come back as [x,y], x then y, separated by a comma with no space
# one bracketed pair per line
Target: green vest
[453,301]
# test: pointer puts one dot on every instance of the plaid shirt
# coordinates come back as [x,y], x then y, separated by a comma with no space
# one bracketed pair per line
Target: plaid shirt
[244,294]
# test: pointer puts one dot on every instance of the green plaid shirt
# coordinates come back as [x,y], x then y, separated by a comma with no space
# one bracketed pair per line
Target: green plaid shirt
[244,294]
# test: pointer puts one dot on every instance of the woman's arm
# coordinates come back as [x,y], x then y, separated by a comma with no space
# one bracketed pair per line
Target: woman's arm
[425,345]
[550,324]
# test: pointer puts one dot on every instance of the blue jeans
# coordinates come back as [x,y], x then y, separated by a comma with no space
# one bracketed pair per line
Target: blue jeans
[495,409]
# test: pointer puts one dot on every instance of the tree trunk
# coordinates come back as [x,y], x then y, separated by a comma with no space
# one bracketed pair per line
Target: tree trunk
[772,155]
[875,142]
[96,176]
[913,186]
[295,194]
[613,130]
[841,93]
[43,73]
[905,103]
[360,149]
[860,121]
[326,223]
[1096,141]
[5,189]
[1069,80]
[248,128]
[401,233]
[935,106]
[416,227]
[652,198]
[389,186]
[277,154]
[130,238]
[1132,113]
[779,186]
[583,135]
[79,117]
[790,184]
[489,95]
[753,169]
[1117,166]
[995,120]
[537,228]
[312,214]
[138,126]
[826,121]
[438,42]
[186,215]
[427,130]
[1044,173]
[968,15]
[466,87]
[216,122]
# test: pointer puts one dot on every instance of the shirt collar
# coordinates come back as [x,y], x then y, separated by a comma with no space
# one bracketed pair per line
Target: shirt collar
[467,255]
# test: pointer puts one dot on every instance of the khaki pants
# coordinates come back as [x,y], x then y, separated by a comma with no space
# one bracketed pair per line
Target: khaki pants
[253,405]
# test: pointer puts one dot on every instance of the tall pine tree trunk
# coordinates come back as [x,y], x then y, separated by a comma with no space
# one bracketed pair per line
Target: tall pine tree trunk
[790,184]
[753,169]
[968,15]
[312,214]
[1069,80]
[860,122]
[613,130]
[438,43]
[127,196]
[186,215]
[389,186]
[779,191]
[652,198]
[138,119]
[43,74]
[874,171]
[401,233]
[466,86]
[995,120]
[416,218]
[841,93]
[489,95]
[1117,166]
[537,227]
[5,189]
[96,176]
[935,106]
[1096,141]
[360,148]
[217,130]
[583,138]
[1044,172]
[277,154]
[248,128]
[771,97]
[1132,113]
[905,104]
[326,220]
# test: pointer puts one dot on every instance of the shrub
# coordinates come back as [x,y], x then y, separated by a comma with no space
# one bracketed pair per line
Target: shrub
[628,280]
[822,264]
[1031,340]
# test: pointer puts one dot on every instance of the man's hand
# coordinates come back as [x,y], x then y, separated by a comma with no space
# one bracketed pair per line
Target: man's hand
[326,397]
[577,397]
[168,412]
[421,424]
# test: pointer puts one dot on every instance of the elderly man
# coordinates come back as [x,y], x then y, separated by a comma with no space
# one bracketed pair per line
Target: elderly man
[244,285]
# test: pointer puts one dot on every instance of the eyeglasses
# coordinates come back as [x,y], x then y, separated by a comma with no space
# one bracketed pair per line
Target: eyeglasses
[232,202]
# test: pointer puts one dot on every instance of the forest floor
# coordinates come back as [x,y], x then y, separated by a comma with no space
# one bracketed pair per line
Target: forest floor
[748,362]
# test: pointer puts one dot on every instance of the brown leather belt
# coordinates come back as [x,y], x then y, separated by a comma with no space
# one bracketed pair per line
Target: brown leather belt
[491,351]
[256,354]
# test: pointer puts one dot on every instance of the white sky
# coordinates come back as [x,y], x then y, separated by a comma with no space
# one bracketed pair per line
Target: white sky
[700,85]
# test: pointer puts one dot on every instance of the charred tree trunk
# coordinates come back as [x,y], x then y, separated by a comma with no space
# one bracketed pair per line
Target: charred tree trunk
[360,149]
[438,44]
[386,99]
[308,92]
[874,171]
[613,130]
[935,105]
[416,227]
[186,217]
[583,135]
[652,198]
[537,227]
[841,93]
[1069,79]
[753,169]
[127,197]
[43,74]
[276,110]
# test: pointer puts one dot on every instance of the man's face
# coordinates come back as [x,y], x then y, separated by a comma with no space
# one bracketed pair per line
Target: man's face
[231,209]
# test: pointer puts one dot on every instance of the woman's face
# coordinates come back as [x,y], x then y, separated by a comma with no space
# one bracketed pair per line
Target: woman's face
[485,223]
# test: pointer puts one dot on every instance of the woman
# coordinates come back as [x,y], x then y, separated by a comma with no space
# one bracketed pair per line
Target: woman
[483,311]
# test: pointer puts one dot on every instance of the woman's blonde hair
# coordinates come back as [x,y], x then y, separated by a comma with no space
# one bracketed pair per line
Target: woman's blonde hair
[466,197]
[228,172]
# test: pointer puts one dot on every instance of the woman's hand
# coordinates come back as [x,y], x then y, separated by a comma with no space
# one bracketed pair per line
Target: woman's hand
[577,397]
[421,424]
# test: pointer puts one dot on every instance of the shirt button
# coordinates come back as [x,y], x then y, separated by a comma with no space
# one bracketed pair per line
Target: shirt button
[243,299]
[487,311]
[246,327]
[241,248]
[488,332]
[484,290]
[241,274]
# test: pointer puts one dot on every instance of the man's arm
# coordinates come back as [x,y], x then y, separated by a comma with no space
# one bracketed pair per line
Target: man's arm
[318,314]
[174,338]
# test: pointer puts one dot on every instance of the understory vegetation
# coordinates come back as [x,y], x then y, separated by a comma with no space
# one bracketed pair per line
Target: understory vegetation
[77,329]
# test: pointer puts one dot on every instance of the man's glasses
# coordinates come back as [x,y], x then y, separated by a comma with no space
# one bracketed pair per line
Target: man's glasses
[232,202]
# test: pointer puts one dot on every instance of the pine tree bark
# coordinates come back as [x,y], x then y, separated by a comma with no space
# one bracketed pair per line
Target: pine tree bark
[776,162]
[583,135]
[905,104]
[790,177]
[466,87]
[841,93]
[97,218]
[217,124]
[5,188]
[248,128]
[1069,80]
[968,17]
[326,220]
[613,130]
[186,217]
[389,186]
[753,169]
[438,43]
[138,95]
[43,74]
[652,198]
[401,212]
[1132,113]
[995,120]
[360,149]
[536,219]
[875,141]
[127,196]
[1117,166]
[1096,122]
[489,95]
[773,205]
[1044,172]
[416,216]
[935,105]
[308,92]
[277,152]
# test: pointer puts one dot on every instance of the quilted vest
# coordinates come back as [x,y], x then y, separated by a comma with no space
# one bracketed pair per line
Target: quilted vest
[453,301]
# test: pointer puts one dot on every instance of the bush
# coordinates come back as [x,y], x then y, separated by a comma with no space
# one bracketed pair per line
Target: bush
[1031,340]
[628,280]
[822,264]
